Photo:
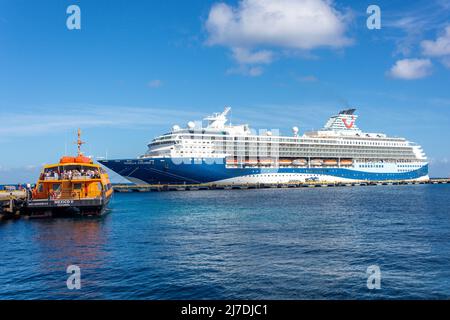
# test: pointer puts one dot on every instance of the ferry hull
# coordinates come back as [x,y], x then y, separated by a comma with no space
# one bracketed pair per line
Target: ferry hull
[83,207]
[188,171]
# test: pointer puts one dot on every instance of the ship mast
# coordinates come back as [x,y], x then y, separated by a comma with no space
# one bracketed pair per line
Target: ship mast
[80,143]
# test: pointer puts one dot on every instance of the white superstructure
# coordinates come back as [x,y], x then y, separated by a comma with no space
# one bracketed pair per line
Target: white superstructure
[339,139]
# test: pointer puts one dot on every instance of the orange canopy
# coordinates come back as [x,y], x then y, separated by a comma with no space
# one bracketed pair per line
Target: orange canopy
[79,159]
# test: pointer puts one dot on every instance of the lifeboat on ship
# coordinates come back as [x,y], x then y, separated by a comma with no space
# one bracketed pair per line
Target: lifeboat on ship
[74,185]
[300,162]
[231,161]
[251,162]
[346,162]
[285,162]
[330,162]
[266,162]
[317,162]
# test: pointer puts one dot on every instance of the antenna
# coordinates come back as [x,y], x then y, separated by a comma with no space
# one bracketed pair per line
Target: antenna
[80,143]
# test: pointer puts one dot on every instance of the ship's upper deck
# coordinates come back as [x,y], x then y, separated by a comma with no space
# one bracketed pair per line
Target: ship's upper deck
[342,125]
[339,137]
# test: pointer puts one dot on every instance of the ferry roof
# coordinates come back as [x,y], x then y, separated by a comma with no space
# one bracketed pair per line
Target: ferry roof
[56,165]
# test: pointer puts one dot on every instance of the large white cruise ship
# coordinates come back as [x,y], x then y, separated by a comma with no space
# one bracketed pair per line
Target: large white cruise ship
[218,152]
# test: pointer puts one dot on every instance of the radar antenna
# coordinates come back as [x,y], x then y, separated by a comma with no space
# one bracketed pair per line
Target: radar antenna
[218,120]
[80,143]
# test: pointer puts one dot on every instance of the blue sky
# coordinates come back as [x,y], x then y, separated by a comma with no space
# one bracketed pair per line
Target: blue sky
[137,67]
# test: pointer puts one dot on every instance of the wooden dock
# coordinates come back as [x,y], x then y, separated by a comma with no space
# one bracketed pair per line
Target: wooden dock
[236,186]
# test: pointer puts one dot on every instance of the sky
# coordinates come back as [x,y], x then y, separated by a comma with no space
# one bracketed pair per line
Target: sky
[136,68]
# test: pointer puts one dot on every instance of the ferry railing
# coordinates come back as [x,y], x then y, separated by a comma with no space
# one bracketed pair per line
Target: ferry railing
[84,177]
[70,195]
[76,178]
[51,179]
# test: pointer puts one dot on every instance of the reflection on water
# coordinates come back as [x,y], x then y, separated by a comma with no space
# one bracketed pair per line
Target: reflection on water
[45,248]
[61,243]
[249,244]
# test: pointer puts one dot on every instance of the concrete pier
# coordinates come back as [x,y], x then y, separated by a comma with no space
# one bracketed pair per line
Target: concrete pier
[236,186]
[11,203]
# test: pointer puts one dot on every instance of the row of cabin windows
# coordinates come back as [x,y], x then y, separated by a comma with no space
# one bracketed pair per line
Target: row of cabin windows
[371,166]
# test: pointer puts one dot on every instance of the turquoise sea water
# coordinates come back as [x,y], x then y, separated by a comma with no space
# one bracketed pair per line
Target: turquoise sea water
[310,243]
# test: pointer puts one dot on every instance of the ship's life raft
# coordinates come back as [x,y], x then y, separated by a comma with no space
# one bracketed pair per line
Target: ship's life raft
[78,159]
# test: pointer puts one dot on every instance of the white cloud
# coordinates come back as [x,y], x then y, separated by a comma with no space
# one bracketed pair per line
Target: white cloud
[301,24]
[255,71]
[245,56]
[285,24]
[407,27]
[446,62]
[438,48]
[410,69]
[251,71]
[155,83]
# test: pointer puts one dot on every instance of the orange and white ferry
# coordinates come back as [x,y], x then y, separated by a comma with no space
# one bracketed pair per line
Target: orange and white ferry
[75,184]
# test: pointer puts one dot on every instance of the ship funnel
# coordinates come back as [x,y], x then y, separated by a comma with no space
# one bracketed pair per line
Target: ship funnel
[345,120]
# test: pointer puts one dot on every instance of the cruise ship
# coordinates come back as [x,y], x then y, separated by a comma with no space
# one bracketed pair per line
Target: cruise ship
[214,151]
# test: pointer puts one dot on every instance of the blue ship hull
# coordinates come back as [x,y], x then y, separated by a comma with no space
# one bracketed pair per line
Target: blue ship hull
[180,171]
